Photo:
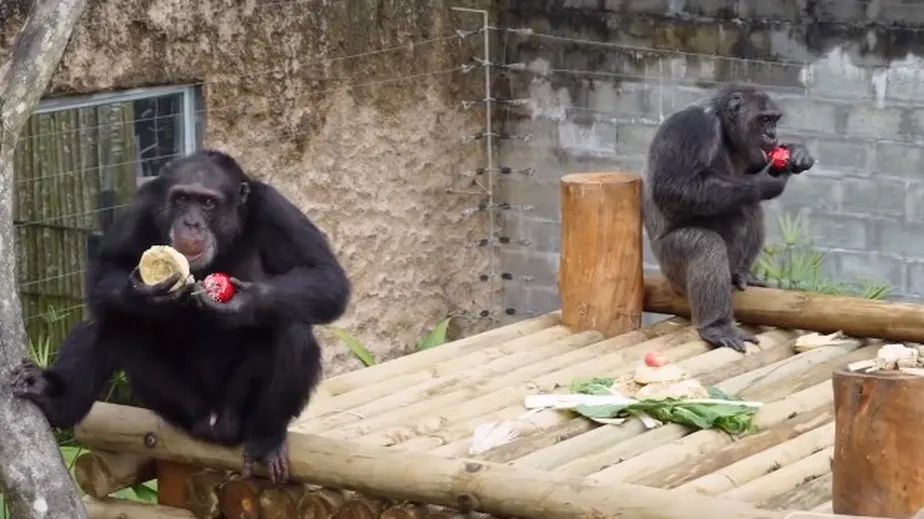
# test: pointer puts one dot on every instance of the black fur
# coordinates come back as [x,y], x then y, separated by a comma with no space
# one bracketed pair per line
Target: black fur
[227,373]
[707,175]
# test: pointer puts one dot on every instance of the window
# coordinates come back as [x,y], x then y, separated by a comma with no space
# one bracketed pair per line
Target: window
[78,163]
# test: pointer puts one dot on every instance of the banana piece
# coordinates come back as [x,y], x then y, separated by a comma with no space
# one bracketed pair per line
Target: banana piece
[160,262]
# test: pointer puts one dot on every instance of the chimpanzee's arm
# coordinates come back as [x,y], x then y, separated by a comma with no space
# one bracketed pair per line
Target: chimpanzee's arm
[306,282]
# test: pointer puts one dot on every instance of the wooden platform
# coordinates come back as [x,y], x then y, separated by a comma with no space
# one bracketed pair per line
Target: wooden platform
[433,401]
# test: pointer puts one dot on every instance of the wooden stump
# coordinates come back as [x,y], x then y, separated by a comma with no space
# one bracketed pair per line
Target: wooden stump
[878,453]
[600,274]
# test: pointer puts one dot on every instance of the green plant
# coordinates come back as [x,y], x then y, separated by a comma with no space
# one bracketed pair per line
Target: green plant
[431,339]
[792,263]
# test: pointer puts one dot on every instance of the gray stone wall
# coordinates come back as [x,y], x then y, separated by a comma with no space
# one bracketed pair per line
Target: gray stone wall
[596,81]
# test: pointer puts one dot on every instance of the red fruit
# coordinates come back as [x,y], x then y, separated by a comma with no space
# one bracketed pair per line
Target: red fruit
[779,156]
[219,287]
[655,359]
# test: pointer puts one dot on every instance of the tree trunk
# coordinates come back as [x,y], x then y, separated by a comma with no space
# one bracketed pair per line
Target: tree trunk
[35,481]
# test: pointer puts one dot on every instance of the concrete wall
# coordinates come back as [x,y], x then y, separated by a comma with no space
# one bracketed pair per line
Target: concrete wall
[371,165]
[600,76]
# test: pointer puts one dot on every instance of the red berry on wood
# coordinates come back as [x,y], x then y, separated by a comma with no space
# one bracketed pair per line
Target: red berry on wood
[655,359]
[219,287]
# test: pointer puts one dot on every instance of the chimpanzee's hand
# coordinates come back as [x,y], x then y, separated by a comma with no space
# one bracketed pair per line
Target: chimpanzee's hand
[799,160]
[242,307]
[159,293]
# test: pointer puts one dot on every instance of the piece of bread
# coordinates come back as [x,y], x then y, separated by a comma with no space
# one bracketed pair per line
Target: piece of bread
[160,262]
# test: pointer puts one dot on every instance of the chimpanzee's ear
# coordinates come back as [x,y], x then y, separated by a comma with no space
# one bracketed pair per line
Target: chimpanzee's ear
[734,102]
[244,191]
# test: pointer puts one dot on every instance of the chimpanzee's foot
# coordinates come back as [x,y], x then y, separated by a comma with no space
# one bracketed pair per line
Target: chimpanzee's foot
[275,458]
[727,336]
[741,281]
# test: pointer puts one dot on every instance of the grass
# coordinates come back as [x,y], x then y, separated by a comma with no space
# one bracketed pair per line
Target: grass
[435,337]
[792,263]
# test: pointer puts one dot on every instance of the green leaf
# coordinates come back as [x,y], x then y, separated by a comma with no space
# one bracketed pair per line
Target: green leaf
[354,345]
[144,493]
[591,386]
[436,337]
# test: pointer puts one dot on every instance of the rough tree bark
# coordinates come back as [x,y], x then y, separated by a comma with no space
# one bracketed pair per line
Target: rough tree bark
[33,475]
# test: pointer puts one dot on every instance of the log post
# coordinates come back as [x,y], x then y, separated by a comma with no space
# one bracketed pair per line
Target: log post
[600,274]
[102,473]
[878,467]
[798,310]
[172,487]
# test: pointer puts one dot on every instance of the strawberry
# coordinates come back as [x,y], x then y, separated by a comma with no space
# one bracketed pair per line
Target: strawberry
[779,156]
[218,285]
[655,359]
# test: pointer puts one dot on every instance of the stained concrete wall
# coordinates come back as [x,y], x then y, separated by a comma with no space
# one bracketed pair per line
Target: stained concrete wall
[370,165]
[598,77]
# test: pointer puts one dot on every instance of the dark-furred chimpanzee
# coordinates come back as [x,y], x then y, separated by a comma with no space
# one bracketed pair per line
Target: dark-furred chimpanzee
[708,172]
[230,373]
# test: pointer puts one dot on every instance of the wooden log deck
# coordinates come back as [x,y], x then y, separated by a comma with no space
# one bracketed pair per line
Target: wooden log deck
[393,440]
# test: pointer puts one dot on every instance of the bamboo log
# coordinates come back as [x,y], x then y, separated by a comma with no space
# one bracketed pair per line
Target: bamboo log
[855,316]
[813,375]
[102,473]
[879,461]
[203,488]
[675,346]
[457,422]
[654,458]
[320,504]
[600,438]
[600,272]
[240,498]
[752,467]
[751,386]
[435,377]
[422,359]
[784,479]
[493,488]
[112,508]
[172,489]
[276,502]
[495,393]
[479,408]
[807,496]
[361,507]
[748,446]
[389,431]
[623,452]
[406,511]
[534,348]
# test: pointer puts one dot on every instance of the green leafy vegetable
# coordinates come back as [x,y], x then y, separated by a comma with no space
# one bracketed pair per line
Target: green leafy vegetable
[588,386]
[725,415]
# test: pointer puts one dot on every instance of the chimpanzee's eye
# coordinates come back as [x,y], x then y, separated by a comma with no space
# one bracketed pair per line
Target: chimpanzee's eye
[208,203]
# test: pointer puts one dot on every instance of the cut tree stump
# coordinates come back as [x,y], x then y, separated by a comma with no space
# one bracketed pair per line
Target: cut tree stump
[878,467]
[600,273]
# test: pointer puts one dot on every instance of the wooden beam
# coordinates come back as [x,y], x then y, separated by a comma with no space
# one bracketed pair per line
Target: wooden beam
[855,316]
[879,459]
[381,471]
[112,508]
[101,473]
[600,274]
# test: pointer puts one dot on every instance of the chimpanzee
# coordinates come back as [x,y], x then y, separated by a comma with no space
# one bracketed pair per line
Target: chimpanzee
[229,373]
[708,172]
